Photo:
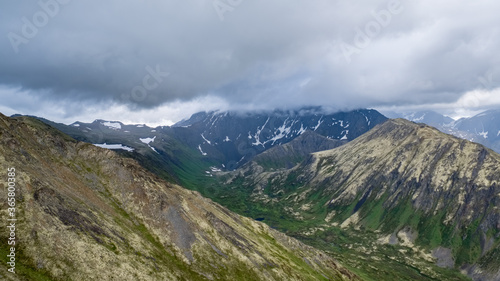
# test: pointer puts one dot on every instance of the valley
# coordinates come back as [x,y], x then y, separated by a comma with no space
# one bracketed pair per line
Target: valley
[397,199]
[86,213]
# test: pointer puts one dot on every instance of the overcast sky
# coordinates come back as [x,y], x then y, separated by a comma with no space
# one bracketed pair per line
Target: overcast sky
[157,62]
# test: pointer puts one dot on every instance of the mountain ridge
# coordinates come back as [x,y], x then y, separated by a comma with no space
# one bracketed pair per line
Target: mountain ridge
[408,184]
[87,213]
[483,128]
[217,140]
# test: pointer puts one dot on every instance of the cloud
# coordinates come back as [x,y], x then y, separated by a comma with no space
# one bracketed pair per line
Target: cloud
[141,55]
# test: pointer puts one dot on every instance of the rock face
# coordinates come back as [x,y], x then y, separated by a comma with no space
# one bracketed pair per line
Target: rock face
[432,192]
[85,213]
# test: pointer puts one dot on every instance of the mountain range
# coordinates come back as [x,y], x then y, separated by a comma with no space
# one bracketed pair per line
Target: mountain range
[389,199]
[193,149]
[86,213]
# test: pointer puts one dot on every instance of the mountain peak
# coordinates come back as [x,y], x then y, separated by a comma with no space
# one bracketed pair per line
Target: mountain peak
[431,191]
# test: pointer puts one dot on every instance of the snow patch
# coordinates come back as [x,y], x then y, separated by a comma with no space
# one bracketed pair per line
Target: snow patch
[114,146]
[76,125]
[140,126]
[367,119]
[419,119]
[319,123]
[226,139]
[215,169]
[257,134]
[282,132]
[153,149]
[202,153]
[302,130]
[147,140]
[345,135]
[484,134]
[206,139]
[112,125]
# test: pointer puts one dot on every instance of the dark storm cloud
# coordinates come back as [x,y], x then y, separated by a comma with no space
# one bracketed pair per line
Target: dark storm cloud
[264,53]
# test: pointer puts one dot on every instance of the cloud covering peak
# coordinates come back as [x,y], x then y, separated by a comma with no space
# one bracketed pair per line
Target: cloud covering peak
[259,54]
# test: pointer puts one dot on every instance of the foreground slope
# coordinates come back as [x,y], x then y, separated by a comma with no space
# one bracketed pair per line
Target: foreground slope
[84,213]
[423,195]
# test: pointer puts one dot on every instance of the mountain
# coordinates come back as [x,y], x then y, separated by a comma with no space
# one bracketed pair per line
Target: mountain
[428,117]
[483,128]
[191,151]
[294,152]
[86,213]
[417,204]
[235,138]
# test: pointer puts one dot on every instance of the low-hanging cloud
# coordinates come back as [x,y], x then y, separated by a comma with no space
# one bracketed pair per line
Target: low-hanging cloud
[344,54]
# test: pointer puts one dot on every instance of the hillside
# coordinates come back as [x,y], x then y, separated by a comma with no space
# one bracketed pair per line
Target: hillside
[85,213]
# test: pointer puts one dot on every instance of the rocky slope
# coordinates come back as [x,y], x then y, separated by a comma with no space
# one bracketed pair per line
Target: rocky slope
[434,196]
[85,213]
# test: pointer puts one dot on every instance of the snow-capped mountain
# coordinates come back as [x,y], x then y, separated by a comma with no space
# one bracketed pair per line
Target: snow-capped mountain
[224,140]
[430,118]
[483,128]
[238,137]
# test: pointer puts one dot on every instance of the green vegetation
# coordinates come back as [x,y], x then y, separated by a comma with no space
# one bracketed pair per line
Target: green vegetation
[356,249]
[25,269]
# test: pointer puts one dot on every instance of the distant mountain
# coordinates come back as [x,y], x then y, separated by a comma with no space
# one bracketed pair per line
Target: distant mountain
[403,194]
[483,128]
[235,138]
[430,118]
[85,213]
